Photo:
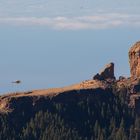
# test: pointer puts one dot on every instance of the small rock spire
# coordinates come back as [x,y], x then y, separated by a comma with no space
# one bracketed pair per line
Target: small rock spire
[106,73]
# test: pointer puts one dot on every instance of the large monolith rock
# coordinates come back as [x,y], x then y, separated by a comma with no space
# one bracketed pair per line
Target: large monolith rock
[134,60]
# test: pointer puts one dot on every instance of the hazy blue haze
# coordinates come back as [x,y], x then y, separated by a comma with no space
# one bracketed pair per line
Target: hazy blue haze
[43,56]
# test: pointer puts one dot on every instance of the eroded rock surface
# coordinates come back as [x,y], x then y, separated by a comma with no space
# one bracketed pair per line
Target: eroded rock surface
[32,99]
[104,81]
[134,60]
[106,73]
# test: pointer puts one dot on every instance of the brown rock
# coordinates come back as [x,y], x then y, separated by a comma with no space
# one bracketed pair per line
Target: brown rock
[121,78]
[106,73]
[97,77]
[134,60]
[135,89]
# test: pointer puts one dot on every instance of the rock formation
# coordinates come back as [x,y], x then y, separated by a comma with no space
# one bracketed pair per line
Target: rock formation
[134,60]
[106,73]
[105,80]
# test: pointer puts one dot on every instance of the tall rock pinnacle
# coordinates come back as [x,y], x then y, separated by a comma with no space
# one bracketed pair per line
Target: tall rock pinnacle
[134,60]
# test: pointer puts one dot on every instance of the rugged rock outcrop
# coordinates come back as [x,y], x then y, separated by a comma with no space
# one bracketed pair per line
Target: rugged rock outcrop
[32,103]
[106,73]
[38,98]
[134,60]
[104,80]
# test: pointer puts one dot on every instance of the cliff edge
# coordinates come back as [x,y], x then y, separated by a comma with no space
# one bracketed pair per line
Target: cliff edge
[105,81]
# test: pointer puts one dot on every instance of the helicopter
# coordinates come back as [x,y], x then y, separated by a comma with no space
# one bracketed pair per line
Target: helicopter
[16,82]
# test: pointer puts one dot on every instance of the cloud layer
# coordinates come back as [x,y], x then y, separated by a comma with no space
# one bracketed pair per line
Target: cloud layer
[99,21]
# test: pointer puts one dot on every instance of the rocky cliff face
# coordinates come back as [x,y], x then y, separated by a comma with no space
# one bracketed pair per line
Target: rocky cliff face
[38,99]
[104,80]
[134,60]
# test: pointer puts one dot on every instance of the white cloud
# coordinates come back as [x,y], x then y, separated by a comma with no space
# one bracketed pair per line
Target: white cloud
[99,21]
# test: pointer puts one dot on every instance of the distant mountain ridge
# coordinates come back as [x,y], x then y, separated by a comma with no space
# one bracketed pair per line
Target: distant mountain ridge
[99,103]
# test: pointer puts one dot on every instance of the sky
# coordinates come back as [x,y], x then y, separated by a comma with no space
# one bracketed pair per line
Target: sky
[51,43]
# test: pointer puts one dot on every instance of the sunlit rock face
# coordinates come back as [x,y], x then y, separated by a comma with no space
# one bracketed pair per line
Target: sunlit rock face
[106,73]
[134,60]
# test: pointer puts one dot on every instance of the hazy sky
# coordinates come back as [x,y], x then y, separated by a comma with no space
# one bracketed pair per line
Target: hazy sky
[53,43]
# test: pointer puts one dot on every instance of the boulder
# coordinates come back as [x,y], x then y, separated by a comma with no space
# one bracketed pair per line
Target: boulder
[134,60]
[134,87]
[121,78]
[106,73]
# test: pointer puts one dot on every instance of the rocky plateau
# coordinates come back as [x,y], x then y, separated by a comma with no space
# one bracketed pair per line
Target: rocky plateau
[102,82]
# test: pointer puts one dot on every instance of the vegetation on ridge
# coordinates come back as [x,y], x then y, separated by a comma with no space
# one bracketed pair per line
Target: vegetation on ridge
[76,115]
